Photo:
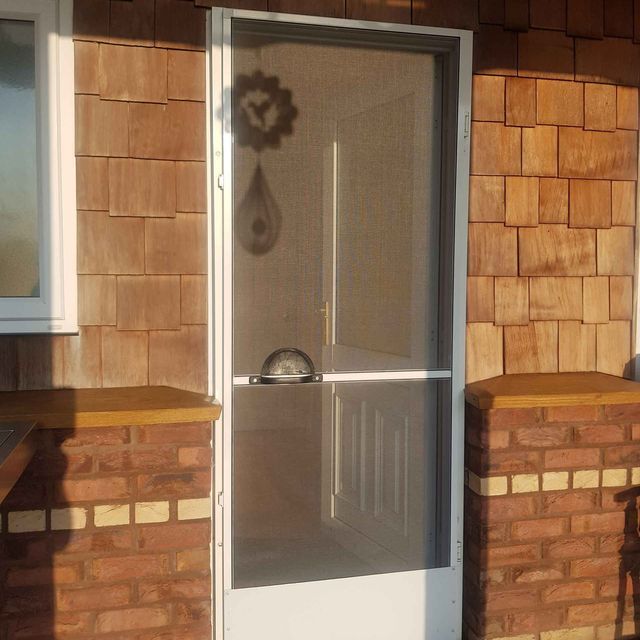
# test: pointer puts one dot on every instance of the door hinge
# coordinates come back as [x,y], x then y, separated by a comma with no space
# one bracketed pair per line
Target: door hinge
[220,181]
[459,545]
[467,124]
[221,500]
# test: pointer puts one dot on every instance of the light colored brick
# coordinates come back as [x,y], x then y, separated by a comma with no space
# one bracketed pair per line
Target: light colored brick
[525,483]
[70,518]
[614,477]
[147,512]
[494,486]
[576,633]
[23,521]
[586,479]
[635,475]
[194,508]
[473,482]
[555,481]
[111,515]
[611,631]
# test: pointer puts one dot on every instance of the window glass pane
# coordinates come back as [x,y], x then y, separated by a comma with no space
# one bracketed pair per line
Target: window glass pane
[19,246]
[334,481]
[341,248]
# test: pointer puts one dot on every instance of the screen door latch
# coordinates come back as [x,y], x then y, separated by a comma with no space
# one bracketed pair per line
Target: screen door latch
[287,366]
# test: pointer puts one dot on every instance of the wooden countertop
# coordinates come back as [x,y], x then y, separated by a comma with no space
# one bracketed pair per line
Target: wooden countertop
[551,390]
[63,408]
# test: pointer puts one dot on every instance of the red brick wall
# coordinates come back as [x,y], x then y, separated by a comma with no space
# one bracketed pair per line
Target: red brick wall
[551,517]
[107,534]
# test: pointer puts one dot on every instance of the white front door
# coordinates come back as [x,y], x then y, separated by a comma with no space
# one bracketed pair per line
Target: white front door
[340,231]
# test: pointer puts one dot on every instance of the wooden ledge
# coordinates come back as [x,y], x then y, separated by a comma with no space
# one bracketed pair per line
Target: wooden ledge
[64,408]
[551,390]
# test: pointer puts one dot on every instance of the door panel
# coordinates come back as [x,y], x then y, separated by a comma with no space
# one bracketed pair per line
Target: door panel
[396,462]
[416,605]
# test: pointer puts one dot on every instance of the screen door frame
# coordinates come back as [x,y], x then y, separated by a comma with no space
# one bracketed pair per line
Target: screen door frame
[220,193]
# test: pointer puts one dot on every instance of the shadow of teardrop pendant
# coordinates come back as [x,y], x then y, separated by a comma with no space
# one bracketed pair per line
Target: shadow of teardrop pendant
[258,219]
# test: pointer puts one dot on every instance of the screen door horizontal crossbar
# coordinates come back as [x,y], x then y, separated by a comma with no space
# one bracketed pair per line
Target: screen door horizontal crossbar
[366,376]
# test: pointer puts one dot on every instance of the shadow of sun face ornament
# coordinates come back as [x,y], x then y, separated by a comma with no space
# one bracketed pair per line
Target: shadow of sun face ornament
[263,113]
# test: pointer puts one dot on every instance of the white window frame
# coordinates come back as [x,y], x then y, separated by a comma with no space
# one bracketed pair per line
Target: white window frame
[55,310]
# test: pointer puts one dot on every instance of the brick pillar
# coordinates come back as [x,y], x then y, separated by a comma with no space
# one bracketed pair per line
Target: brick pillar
[551,538]
[108,534]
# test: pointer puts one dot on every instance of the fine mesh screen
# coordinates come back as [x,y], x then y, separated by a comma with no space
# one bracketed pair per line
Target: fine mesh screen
[334,481]
[339,241]
[343,249]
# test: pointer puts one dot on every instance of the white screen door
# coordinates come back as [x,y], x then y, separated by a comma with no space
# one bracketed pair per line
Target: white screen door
[339,237]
